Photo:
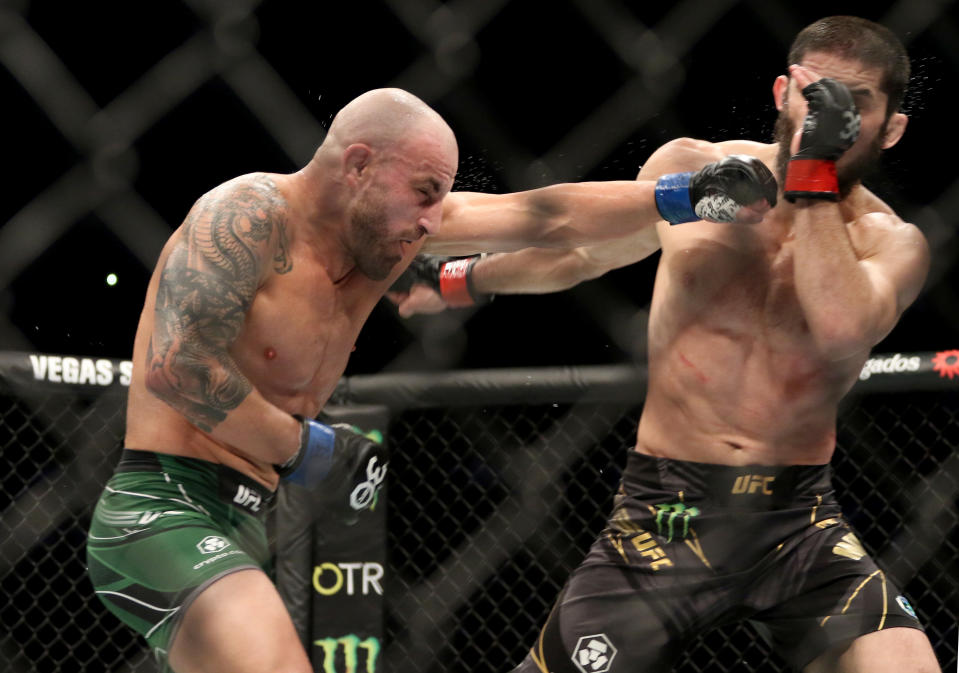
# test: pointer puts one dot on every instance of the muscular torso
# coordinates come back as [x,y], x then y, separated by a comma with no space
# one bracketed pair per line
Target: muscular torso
[293,347]
[734,375]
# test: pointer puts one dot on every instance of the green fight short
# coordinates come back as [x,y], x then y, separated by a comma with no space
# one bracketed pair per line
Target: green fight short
[164,529]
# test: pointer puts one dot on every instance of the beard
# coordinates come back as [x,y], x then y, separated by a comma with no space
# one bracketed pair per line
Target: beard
[368,227]
[848,176]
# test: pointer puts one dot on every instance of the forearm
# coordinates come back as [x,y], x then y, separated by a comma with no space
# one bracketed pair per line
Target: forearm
[832,287]
[559,216]
[532,271]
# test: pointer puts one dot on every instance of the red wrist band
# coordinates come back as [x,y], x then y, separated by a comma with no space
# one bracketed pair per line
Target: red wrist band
[811,178]
[453,285]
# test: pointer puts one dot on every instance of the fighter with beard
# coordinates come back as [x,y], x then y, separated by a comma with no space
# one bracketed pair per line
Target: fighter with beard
[248,323]
[726,510]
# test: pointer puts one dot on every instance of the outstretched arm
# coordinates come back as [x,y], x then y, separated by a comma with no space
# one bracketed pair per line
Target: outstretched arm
[558,216]
[534,271]
[231,240]
[733,189]
[625,215]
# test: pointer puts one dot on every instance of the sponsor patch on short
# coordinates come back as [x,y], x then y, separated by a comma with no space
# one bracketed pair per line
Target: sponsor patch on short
[594,654]
[212,544]
[906,606]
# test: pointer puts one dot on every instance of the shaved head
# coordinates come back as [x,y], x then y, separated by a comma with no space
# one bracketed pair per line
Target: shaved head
[386,118]
[382,171]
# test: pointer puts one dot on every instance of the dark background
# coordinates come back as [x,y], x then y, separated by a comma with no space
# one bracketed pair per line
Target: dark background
[119,115]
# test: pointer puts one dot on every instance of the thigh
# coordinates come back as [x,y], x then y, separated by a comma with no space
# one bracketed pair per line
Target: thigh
[238,624]
[830,593]
[149,556]
[895,650]
[612,620]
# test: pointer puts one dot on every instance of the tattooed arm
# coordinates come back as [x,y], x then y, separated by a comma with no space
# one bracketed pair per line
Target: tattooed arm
[232,239]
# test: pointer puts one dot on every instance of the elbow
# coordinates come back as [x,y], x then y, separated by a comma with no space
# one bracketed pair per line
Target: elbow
[840,337]
[549,219]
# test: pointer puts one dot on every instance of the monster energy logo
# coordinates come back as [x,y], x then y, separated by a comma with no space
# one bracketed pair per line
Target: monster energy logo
[668,513]
[351,653]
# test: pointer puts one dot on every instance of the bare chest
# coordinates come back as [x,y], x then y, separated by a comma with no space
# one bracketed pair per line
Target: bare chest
[300,331]
[747,290]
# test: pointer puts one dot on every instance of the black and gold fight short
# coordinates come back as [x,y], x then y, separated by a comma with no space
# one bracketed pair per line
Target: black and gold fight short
[691,546]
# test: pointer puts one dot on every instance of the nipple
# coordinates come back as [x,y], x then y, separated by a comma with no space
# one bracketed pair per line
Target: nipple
[269,353]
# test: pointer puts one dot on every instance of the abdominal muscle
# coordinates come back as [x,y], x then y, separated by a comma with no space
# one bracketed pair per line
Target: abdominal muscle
[736,401]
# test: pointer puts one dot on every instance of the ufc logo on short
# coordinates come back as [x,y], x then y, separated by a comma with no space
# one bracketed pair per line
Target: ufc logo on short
[247,497]
[753,483]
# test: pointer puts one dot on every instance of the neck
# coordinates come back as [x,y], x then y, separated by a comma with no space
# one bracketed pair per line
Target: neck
[320,222]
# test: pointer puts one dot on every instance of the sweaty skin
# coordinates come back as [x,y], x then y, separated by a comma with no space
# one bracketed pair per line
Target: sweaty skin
[735,375]
[288,328]
[257,299]
[755,331]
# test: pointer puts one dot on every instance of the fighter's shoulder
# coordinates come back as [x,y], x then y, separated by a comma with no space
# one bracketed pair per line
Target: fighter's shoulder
[689,148]
[251,207]
[693,153]
[868,212]
[260,189]
[886,225]
[750,147]
[879,233]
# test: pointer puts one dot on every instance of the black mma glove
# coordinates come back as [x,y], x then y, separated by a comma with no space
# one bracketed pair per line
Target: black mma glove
[830,128]
[716,192]
[339,464]
[451,278]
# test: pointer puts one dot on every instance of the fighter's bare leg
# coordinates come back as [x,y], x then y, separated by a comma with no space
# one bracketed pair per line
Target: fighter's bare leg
[238,625]
[895,650]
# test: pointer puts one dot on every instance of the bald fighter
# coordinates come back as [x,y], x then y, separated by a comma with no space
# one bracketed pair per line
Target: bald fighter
[726,510]
[249,319]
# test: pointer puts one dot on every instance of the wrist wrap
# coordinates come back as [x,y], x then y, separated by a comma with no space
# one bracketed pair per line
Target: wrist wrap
[672,198]
[315,454]
[456,283]
[811,179]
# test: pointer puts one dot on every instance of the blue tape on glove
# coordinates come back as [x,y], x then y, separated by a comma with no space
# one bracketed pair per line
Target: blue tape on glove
[317,456]
[672,198]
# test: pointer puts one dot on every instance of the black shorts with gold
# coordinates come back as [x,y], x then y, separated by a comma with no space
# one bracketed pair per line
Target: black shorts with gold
[691,546]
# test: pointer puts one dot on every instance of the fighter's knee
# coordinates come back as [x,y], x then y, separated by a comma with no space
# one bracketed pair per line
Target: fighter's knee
[893,650]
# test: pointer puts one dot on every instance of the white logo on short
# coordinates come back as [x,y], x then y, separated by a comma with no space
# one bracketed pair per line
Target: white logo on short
[247,497]
[594,654]
[212,544]
[362,495]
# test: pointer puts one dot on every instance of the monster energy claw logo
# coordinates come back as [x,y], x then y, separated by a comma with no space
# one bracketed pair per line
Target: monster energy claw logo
[668,513]
[352,647]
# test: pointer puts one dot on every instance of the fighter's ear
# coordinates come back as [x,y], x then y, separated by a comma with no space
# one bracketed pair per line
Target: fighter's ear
[356,159]
[895,127]
[780,91]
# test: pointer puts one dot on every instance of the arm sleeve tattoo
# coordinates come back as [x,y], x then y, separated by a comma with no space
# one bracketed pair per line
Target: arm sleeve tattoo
[206,287]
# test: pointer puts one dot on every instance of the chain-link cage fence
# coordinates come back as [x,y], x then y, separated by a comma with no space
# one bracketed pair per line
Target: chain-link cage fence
[124,128]
[59,446]
[491,505]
